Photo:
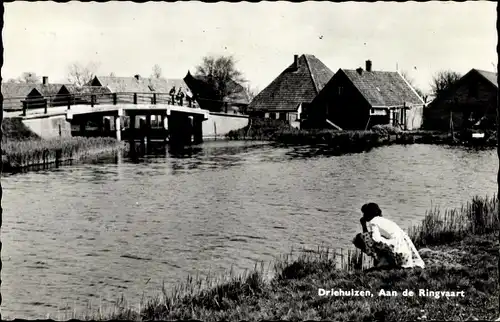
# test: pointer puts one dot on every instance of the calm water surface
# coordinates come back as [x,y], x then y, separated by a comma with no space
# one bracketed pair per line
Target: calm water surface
[89,233]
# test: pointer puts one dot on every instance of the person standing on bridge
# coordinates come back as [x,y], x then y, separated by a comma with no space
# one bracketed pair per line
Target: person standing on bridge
[180,96]
[172,96]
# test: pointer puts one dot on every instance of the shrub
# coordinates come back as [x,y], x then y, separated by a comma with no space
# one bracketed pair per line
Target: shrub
[386,129]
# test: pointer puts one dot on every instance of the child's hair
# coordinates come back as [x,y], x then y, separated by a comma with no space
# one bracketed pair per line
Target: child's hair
[371,210]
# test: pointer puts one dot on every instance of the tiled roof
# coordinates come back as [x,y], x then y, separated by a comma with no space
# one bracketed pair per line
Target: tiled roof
[124,84]
[294,86]
[73,89]
[164,85]
[141,85]
[16,90]
[49,89]
[490,76]
[383,89]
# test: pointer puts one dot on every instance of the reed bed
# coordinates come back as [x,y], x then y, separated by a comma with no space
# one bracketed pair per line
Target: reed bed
[294,277]
[479,216]
[19,154]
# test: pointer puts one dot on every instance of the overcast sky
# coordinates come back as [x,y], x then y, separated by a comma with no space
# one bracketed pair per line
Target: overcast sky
[129,38]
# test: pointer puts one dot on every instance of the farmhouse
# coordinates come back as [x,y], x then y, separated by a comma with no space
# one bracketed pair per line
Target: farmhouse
[205,93]
[292,90]
[358,99]
[14,94]
[470,102]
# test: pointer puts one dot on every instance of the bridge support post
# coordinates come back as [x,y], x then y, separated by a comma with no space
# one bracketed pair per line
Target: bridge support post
[148,131]
[118,128]
[198,130]
[132,133]
[164,126]
[83,127]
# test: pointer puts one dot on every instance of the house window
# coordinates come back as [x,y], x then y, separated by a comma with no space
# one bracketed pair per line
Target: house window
[272,115]
[340,90]
[282,116]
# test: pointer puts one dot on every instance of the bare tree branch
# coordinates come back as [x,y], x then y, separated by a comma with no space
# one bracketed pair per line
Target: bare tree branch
[80,75]
[157,73]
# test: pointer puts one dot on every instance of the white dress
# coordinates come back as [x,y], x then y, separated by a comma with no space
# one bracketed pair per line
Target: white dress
[383,230]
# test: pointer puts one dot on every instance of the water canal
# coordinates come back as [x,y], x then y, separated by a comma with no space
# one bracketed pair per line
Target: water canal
[87,234]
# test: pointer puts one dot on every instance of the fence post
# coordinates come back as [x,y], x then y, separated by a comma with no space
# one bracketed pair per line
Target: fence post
[92,100]
[69,102]
[25,107]
[45,106]
[135,98]
[154,98]
[115,99]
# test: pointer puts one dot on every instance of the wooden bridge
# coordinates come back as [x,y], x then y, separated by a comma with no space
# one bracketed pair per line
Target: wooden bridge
[126,116]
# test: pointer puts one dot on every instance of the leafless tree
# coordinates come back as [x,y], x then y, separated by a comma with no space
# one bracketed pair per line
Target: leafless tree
[80,75]
[251,92]
[157,73]
[221,72]
[112,74]
[443,80]
[27,78]
[411,81]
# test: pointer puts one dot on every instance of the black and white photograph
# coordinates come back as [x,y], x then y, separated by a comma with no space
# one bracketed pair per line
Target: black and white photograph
[250,161]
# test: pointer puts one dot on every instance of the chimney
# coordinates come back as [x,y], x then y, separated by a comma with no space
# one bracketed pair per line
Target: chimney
[138,77]
[368,66]
[295,62]
[45,80]
[360,70]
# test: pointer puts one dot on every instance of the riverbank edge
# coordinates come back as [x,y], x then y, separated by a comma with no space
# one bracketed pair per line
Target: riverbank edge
[353,140]
[34,154]
[459,246]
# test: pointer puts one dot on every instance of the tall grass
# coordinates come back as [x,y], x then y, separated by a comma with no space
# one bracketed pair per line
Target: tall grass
[476,217]
[18,154]
[214,297]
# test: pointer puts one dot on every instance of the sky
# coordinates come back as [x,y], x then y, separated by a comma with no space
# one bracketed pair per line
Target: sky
[128,38]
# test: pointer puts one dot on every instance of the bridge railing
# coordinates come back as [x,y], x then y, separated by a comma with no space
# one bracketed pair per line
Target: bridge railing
[63,102]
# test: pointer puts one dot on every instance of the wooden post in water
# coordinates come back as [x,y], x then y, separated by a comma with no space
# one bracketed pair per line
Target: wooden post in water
[45,105]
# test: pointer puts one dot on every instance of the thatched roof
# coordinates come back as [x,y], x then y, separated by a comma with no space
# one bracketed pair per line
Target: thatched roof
[294,86]
[383,89]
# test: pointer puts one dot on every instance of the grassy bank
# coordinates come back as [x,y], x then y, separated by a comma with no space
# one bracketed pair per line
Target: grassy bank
[22,149]
[348,141]
[460,251]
